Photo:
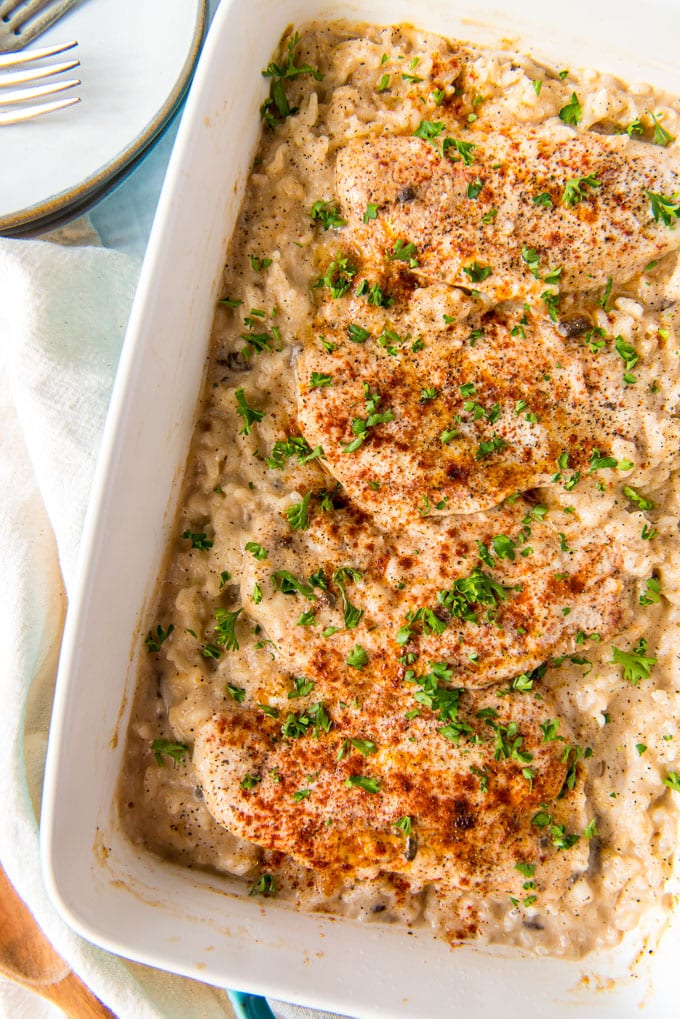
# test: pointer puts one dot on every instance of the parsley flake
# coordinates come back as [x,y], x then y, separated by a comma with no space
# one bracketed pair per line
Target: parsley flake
[572,112]
[636,663]
[167,748]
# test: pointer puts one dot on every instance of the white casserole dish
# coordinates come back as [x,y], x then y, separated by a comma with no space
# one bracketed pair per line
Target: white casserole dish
[130,902]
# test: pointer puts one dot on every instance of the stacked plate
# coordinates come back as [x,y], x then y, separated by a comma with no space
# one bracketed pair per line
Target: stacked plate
[137,60]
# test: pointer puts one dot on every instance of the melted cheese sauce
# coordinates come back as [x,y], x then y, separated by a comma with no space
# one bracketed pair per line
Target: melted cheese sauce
[616,526]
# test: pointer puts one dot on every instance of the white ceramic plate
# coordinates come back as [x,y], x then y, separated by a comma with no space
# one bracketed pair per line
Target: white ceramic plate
[115,894]
[136,57]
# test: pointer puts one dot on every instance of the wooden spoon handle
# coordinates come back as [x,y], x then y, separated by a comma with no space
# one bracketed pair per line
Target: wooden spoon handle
[75,999]
[27,958]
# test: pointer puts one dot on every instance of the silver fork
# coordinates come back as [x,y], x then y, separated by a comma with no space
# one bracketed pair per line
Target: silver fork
[30,83]
[22,21]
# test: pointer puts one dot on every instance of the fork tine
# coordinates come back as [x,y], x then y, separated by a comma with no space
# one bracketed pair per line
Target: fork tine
[35,73]
[23,95]
[37,16]
[25,57]
[29,112]
[7,6]
[25,10]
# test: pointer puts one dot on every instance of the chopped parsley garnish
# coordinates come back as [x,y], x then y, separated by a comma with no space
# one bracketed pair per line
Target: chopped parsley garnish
[404,251]
[572,112]
[258,264]
[661,135]
[277,107]
[598,463]
[526,869]
[477,273]
[384,83]
[374,294]
[198,539]
[474,188]
[404,824]
[370,212]
[503,546]
[561,840]
[366,747]
[629,356]
[551,299]
[287,583]
[236,693]
[465,150]
[448,435]
[369,785]
[532,259]
[508,741]
[604,300]
[652,592]
[338,277]
[635,127]
[154,640]
[443,700]
[357,657]
[486,448]
[665,208]
[167,748]
[638,500]
[327,215]
[362,426]
[352,614]
[573,192]
[636,663]
[225,629]
[357,334]
[549,729]
[672,780]
[265,885]
[249,415]
[317,380]
[302,687]
[544,200]
[297,515]
[314,718]
[294,446]
[256,550]
[590,831]
[428,130]
[211,651]
[249,781]
[461,601]
[259,339]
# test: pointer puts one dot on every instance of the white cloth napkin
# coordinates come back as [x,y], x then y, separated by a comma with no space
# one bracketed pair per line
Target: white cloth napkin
[63,312]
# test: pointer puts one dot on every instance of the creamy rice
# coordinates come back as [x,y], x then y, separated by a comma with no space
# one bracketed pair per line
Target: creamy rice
[228,531]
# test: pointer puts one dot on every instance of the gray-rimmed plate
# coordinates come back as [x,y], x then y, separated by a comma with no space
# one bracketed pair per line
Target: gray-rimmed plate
[136,63]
